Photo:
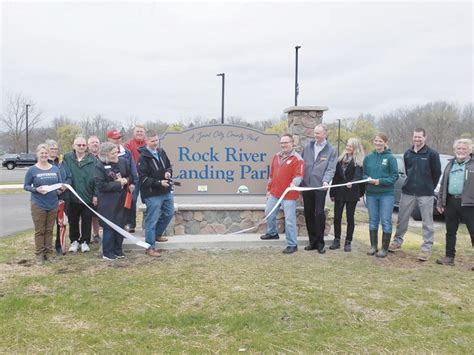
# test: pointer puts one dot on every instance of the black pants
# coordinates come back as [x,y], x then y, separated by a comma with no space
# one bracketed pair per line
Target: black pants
[315,218]
[453,214]
[350,210]
[80,213]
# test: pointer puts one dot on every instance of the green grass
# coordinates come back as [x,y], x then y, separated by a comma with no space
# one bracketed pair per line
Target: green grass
[220,301]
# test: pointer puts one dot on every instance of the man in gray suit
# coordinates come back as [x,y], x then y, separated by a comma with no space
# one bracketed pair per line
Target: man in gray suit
[319,167]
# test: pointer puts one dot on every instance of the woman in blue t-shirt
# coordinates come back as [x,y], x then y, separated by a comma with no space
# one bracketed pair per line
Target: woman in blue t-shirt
[44,204]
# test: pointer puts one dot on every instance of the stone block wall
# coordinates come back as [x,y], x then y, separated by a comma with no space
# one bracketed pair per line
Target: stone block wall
[301,123]
[222,219]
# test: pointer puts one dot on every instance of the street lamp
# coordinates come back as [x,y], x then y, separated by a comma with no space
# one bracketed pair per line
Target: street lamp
[338,135]
[223,88]
[297,89]
[27,148]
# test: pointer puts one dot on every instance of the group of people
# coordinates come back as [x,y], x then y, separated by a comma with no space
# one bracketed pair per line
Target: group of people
[108,177]
[318,167]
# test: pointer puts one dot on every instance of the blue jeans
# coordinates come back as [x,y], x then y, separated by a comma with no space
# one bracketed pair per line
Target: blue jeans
[380,211]
[289,209]
[159,212]
[112,242]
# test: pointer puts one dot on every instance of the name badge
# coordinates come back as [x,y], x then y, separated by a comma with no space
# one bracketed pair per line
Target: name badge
[384,161]
[107,166]
[322,158]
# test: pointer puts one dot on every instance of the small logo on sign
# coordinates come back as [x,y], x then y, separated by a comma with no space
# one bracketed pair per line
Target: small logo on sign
[243,189]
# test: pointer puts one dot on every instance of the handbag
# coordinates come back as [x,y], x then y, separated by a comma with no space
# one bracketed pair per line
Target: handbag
[128,200]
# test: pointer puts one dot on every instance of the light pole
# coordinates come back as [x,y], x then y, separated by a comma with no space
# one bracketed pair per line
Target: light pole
[297,89]
[338,135]
[222,104]
[27,148]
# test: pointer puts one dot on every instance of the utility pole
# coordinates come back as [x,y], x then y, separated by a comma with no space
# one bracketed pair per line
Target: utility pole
[27,147]
[222,103]
[338,135]
[297,89]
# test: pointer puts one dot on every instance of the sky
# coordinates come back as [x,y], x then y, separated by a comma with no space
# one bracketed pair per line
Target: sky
[159,60]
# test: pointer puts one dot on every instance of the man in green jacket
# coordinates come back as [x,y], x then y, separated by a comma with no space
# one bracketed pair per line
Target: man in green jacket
[80,166]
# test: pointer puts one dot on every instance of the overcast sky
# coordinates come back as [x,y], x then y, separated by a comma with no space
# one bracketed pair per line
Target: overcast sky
[153,60]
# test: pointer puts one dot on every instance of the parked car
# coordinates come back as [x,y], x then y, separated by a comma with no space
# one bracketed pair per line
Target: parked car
[416,214]
[11,161]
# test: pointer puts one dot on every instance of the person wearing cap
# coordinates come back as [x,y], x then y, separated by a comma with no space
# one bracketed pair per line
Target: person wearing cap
[114,136]
[133,144]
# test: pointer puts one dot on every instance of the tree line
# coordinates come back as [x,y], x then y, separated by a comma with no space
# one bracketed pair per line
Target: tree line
[443,121]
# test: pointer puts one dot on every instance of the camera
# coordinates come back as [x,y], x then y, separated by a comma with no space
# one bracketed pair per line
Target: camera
[173,183]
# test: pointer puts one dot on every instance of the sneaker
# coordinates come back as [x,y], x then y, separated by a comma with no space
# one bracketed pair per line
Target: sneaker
[267,236]
[424,255]
[131,230]
[85,248]
[445,260]
[394,246]
[152,252]
[97,239]
[290,250]
[59,251]
[111,258]
[39,260]
[120,256]
[74,246]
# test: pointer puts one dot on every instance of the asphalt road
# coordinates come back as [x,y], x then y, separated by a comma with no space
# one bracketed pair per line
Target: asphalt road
[15,175]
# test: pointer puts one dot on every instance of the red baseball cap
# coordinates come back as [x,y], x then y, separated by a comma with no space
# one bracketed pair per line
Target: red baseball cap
[114,134]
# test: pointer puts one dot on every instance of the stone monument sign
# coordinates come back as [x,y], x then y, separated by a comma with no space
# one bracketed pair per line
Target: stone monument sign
[220,159]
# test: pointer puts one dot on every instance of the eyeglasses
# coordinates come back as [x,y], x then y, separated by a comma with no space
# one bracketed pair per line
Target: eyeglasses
[285,142]
[80,145]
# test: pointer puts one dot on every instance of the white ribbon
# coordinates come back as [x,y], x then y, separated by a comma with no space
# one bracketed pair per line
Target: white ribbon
[112,225]
[295,188]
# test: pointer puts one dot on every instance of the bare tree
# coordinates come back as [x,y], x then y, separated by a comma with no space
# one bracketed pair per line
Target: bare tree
[14,119]
[98,126]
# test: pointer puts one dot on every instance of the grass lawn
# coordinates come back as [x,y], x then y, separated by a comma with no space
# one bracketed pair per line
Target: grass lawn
[254,301]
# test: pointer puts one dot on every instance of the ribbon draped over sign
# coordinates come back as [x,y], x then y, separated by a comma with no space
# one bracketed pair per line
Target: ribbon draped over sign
[112,225]
[300,189]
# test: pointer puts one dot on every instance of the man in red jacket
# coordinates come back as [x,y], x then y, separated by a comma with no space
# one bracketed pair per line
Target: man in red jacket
[286,170]
[137,141]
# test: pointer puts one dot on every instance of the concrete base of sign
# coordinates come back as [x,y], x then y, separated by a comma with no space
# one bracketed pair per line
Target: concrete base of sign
[228,218]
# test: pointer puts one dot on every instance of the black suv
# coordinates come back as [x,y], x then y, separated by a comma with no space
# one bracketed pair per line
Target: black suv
[11,161]
[401,180]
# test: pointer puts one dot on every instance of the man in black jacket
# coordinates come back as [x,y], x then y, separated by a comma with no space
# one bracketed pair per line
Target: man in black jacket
[154,169]
[423,169]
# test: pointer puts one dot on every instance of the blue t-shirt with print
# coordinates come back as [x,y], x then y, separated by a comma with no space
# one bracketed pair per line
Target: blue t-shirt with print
[36,177]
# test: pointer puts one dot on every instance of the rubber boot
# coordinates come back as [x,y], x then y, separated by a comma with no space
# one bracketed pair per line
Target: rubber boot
[336,244]
[374,239]
[385,243]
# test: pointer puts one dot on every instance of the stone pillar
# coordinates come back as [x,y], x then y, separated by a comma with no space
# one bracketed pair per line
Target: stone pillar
[301,122]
